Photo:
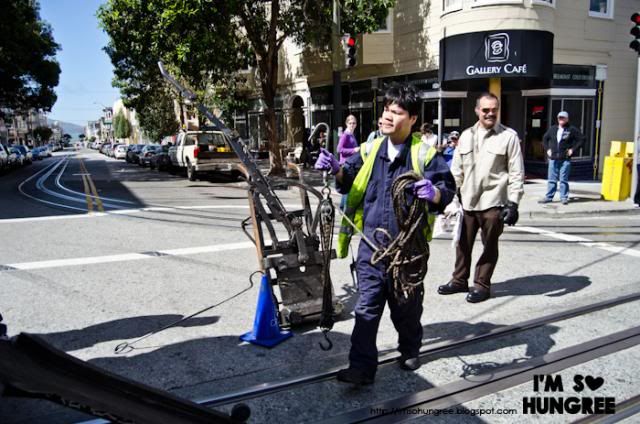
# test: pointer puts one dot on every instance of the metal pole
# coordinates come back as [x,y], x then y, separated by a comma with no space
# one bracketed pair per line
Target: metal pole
[636,134]
[337,76]
[440,118]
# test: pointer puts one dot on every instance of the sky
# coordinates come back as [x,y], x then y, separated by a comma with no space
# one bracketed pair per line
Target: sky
[86,71]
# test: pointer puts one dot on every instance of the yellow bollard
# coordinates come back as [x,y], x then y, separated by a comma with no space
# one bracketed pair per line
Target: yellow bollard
[616,178]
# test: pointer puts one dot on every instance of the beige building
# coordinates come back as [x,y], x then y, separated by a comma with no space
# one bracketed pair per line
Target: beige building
[540,56]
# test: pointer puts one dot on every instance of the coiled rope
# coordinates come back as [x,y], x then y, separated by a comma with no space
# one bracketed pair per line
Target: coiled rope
[407,255]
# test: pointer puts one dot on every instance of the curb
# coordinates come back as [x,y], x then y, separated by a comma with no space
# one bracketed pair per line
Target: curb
[580,214]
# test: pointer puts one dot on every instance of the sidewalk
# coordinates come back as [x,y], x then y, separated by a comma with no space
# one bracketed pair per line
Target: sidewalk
[584,199]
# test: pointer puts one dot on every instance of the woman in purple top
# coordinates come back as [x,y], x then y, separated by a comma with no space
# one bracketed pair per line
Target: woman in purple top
[348,145]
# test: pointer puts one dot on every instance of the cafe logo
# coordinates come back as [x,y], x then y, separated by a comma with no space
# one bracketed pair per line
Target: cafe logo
[496,47]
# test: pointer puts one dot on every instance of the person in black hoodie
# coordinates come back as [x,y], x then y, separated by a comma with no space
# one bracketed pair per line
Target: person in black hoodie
[561,142]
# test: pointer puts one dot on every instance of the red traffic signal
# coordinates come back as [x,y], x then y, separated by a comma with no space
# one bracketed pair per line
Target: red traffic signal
[352,41]
[635,31]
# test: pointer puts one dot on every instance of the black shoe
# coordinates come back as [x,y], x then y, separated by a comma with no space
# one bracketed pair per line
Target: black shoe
[565,201]
[478,295]
[410,363]
[354,376]
[453,287]
[545,200]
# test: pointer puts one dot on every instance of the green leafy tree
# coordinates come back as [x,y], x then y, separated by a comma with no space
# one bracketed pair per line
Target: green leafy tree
[158,119]
[28,69]
[238,32]
[43,134]
[121,126]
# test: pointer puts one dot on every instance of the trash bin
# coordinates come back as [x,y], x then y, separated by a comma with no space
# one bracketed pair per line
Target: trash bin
[616,176]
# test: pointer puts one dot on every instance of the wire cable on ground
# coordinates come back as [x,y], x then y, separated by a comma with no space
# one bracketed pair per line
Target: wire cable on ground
[126,347]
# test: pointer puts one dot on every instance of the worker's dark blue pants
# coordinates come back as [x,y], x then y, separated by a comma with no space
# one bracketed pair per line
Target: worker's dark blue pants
[375,288]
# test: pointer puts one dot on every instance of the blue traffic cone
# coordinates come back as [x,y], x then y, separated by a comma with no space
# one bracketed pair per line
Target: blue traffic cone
[266,330]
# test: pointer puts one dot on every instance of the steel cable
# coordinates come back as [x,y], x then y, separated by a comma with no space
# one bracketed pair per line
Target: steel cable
[407,255]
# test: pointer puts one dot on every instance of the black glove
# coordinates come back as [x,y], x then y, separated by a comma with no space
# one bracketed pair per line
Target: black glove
[509,213]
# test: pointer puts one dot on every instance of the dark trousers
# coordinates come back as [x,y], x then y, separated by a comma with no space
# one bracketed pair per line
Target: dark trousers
[636,198]
[375,289]
[490,226]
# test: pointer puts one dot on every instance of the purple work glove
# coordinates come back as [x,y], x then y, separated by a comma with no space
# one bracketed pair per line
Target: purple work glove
[326,161]
[424,189]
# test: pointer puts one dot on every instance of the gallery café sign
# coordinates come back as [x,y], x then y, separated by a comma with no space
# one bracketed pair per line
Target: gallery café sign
[490,54]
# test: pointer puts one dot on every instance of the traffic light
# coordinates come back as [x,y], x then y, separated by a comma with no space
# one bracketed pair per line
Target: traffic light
[350,51]
[635,31]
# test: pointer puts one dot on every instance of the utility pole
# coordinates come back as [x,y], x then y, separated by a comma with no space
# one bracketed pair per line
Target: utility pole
[337,76]
[636,133]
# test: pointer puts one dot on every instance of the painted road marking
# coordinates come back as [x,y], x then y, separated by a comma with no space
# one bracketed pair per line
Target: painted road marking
[580,240]
[126,211]
[124,257]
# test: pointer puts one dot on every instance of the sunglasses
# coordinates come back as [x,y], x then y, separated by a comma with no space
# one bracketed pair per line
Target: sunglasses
[486,110]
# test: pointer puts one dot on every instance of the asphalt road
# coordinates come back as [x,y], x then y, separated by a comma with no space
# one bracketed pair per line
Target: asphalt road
[87,282]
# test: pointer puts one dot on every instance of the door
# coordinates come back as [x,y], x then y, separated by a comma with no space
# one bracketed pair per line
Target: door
[536,124]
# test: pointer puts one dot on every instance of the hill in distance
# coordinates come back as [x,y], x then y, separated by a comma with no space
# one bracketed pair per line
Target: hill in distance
[68,128]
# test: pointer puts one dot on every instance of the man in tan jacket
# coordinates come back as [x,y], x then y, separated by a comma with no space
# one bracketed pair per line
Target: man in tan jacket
[489,172]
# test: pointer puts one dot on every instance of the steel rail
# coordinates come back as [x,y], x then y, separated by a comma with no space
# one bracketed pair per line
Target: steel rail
[624,409]
[277,386]
[462,391]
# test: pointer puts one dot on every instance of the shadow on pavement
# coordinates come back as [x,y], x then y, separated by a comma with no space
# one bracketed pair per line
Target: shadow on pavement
[126,328]
[545,284]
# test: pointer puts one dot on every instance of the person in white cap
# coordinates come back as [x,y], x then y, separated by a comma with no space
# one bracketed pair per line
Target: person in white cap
[561,142]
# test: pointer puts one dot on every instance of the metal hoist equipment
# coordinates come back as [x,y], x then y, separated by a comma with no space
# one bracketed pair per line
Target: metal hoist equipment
[297,265]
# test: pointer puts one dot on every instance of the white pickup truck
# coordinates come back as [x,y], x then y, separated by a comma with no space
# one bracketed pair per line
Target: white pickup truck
[202,152]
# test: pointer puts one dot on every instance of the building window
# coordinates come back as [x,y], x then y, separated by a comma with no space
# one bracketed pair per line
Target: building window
[451,5]
[477,3]
[545,2]
[386,24]
[601,8]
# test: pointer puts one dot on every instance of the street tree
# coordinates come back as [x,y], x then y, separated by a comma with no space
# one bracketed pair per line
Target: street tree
[43,134]
[29,71]
[241,33]
[121,126]
[157,118]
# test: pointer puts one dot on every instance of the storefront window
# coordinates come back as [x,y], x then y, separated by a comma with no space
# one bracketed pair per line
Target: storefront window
[601,8]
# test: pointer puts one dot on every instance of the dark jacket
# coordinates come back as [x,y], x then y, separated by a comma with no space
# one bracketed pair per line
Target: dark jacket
[378,205]
[571,139]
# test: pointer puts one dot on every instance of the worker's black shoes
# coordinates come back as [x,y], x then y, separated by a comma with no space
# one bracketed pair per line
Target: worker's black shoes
[453,287]
[410,363]
[354,376]
[478,295]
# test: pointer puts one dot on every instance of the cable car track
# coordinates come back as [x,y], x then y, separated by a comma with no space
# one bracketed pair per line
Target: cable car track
[274,387]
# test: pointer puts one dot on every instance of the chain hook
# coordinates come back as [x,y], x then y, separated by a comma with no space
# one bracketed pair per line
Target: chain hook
[329,344]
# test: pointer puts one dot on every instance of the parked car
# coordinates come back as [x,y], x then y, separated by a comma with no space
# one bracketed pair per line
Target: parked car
[36,153]
[13,157]
[203,152]
[161,160]
[120,152]
[4,158]
[144,158]
[22,157]
[28,156]
[46,151]
[105,148]
[133,153]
